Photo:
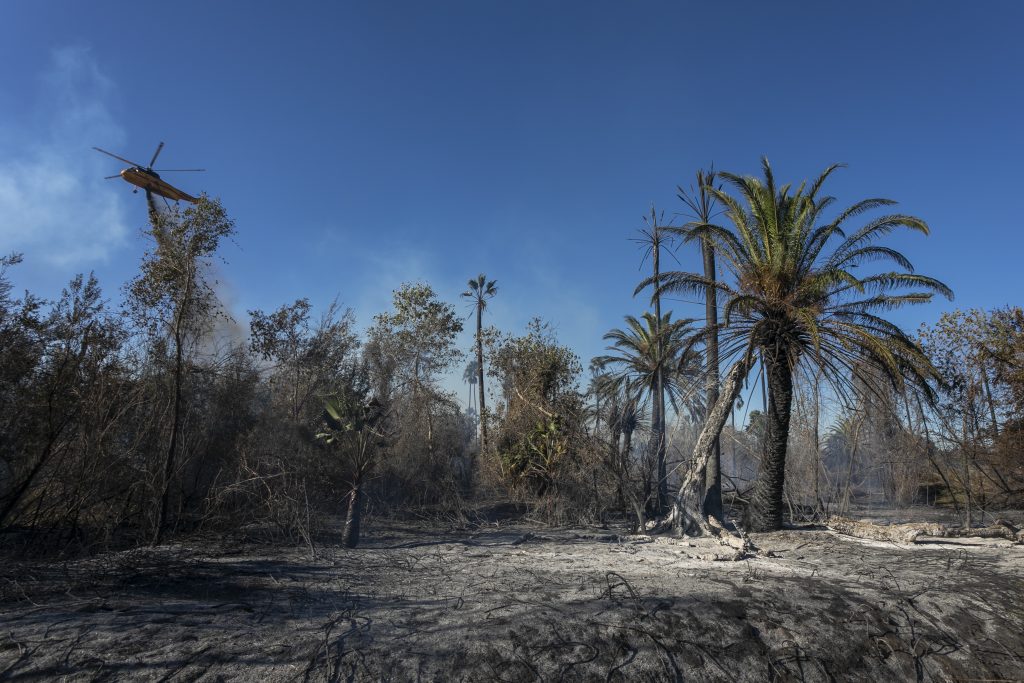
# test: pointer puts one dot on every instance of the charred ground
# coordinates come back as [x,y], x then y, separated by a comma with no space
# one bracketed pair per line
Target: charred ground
[521,603]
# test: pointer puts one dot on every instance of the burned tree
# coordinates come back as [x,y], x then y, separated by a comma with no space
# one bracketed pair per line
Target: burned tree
[174,299]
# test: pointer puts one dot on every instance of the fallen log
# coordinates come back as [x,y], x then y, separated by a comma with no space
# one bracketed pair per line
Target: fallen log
[911,533]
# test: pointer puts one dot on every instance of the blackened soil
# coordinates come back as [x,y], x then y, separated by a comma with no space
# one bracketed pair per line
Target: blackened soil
[520,604]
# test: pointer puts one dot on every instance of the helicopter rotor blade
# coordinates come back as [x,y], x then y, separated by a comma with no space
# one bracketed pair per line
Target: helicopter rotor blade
[155,155]
[178,170]
[108,177]
[111,154]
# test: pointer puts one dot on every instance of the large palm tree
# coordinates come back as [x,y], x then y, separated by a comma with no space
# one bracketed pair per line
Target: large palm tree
[794,297]
[480,290]
[647,366]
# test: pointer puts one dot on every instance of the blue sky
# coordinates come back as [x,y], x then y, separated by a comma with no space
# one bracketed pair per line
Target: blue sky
[360,145]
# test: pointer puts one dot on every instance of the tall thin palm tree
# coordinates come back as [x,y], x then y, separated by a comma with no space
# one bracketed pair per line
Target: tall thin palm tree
[793,296]
[653,238]
[702,206]
[480,290]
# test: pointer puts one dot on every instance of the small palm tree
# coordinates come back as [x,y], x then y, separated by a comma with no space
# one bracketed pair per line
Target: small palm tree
[480,290]
[353,427]
[643,364]
[793,296]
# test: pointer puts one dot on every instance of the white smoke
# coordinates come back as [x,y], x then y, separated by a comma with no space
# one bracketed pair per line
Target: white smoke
[54,203]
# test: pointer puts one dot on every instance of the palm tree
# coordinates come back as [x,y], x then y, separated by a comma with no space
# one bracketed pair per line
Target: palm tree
[623,412]
[702,206]
[480,290]
[653,239]
[794,297]
[353,426]
[647,366]
[469,376]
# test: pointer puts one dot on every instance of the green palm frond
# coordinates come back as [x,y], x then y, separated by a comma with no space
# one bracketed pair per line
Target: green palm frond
[636,357]
[795,283]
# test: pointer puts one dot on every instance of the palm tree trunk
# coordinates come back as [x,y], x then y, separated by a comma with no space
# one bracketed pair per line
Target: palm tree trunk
[968,503]
[627,447]
[658,434]
[480,375]
[817,443]
[658,404]
[614,457]
[713,473]
[353,516]
[767,505]
[855,441]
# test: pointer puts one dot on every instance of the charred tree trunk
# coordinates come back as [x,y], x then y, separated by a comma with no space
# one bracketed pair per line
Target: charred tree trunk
[658,429]
[990,402]
[480,375]
[627,448]
[15,497]
[353,516]
[765,513]
[928,451]
[172,445]
[614,457]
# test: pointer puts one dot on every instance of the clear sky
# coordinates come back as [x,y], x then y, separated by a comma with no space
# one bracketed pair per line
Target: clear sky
[360,145]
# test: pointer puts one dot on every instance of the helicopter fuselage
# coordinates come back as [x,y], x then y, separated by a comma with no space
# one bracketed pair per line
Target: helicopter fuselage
[151,182]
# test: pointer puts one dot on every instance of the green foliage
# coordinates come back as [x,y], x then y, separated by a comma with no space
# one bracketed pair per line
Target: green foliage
[792,293]
[535,459]
[534,367]
[353,426]
[416,341]
[347,414]
[794,289]
[540,421]
[480,290]
[757,425]
[637,357]
[172,288]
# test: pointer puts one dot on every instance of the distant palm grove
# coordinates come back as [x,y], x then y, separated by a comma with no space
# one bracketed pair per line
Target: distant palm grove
[784,393]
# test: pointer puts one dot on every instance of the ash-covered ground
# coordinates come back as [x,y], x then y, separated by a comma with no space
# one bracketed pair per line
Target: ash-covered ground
[520,604]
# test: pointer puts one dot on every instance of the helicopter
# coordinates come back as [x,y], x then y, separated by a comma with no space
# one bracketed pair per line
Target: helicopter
[148,179]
